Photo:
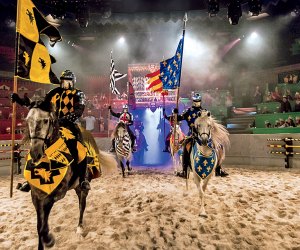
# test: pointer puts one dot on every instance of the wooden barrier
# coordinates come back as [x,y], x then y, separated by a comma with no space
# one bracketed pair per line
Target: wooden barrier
[287,146]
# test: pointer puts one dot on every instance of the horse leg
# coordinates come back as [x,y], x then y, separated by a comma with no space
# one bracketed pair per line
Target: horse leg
[128,166]
[82,204]
[198,182]
[205,182]
[123,168]
[43,208]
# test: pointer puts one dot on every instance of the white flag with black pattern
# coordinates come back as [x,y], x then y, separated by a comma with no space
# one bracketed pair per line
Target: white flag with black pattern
[114,76]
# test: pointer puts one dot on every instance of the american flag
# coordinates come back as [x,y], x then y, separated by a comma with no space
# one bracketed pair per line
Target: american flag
[114,76]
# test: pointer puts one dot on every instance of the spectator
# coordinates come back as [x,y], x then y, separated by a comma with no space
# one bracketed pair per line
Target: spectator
[276,124]
[285,105]
[268,124]
[276,95]
[288,95]
[268,97]
[281,123]
[257,97]
[297,121]
[297,102]
[290,122]
[1,114]
[90,121]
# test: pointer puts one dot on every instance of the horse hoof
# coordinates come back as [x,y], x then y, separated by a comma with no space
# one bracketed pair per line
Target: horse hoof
[203,215]
[49,241]
[79,231]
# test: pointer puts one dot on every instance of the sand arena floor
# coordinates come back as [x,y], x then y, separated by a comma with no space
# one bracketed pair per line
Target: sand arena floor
[151,209]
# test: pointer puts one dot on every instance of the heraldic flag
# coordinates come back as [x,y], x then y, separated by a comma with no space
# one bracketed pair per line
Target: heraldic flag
[114,76]
[168,76]
[170,69]
[33,60]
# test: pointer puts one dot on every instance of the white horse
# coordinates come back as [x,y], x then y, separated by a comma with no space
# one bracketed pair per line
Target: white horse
[123,146]
[208,151]
[175,148]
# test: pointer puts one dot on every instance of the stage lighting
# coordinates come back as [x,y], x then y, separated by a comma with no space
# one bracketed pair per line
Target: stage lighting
[83,16]
[234,12]
[213,7]
[254,7]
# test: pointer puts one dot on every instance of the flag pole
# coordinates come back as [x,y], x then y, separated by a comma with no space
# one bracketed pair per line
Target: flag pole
[14,106]
[164,107]
[109,103]
[177,92]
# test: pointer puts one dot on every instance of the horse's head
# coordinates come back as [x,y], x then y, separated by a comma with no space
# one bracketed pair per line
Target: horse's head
[40,121]
[203,126]
[120,131]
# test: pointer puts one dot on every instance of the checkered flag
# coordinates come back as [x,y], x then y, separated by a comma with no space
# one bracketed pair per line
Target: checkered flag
[114,76]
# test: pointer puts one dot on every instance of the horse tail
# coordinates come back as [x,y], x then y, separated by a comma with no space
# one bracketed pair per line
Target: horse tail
[108,163]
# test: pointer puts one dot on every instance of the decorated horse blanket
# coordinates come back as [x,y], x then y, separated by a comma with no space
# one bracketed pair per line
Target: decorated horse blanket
[48,173]
[203,164]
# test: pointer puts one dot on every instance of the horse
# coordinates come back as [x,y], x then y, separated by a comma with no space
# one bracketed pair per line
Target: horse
[141,146]
[175,145]
[49,159]
[123,146]
[208,151]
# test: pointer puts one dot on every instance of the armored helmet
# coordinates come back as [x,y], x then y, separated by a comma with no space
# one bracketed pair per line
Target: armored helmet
[197,98]
[68,75]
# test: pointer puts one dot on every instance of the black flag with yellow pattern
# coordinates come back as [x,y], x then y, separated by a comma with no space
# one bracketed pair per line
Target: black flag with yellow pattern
[34,61]
[31,23]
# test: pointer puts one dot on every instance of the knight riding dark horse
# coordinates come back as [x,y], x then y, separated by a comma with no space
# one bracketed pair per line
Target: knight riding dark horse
[69,104]
[127,118]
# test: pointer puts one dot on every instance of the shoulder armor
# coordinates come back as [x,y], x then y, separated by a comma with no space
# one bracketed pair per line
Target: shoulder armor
[81,95]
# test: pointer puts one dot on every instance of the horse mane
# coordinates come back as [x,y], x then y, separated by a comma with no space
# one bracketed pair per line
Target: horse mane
[120,124]
[219,135]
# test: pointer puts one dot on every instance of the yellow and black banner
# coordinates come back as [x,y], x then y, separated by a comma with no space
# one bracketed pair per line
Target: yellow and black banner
[31,23]
[34,61]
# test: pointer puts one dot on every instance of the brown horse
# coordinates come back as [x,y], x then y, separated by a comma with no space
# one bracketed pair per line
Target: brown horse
[43,133]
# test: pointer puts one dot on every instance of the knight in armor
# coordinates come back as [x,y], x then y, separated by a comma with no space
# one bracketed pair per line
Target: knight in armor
[69,104]
[190,115]
[127,118]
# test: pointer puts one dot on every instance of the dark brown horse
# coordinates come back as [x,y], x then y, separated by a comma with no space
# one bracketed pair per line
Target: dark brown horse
[43,132]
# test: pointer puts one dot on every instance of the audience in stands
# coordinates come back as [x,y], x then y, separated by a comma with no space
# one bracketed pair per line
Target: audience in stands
[297,102]
[297,121]
[281,123]
[268,124]
[290,122]
[268,97]
[276,95]
[285,106]
[257,97]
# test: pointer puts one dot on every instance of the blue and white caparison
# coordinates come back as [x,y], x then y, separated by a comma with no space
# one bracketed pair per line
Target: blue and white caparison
[204,164]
